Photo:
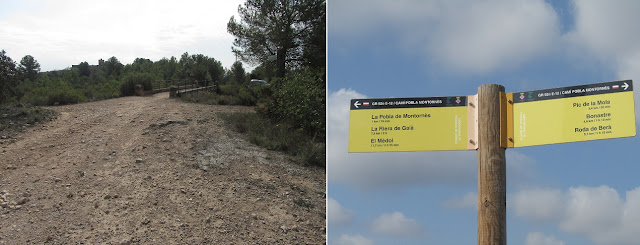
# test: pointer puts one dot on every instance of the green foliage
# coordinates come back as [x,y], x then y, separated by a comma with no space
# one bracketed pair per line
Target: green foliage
[47,91]
[229,89]
[246,97]
[199,68]
[83,69]
[287,32]
[210,98]
[113,67]
[230,94]
[238,72]
[264,71]
[131,80]
[9,77]
[63,97]
[299,99]
[278,137]
[14,116]
[262,93]
[29,66]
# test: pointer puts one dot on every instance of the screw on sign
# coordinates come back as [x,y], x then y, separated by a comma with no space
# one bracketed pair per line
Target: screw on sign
[548,116]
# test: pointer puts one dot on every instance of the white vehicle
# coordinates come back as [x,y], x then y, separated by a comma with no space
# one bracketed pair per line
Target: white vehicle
[258,82]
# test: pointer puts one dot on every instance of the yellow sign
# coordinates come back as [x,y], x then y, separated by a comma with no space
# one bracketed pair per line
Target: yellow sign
[570,114]
[408,124]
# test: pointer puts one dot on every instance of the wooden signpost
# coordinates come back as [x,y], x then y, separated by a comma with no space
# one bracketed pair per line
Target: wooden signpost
[490,122]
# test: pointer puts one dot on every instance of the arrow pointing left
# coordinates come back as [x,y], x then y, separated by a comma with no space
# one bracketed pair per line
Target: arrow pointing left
[357,104]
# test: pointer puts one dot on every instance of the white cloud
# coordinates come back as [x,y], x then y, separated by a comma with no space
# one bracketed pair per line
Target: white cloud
[354,240]
[61,33]
[483,36]
[608,30]
[520,168]
[537,238]
[396,224]
[591,210]
[476,37]
[336,213]
[470,200]
[388,170]
[538,204]
[597,213]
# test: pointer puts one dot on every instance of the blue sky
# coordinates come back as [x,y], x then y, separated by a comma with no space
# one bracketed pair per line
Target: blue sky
[573,193]
[62,33]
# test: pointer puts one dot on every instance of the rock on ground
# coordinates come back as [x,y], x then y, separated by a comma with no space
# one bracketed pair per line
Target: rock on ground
[153,170]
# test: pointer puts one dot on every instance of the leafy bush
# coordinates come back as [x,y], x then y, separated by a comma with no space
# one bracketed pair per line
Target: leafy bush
[245,97]
[14,116]
[63,97]
[36,96]
[55,92]
[229,89]
[299,99]
[131,80]
[277,136]
[210,98]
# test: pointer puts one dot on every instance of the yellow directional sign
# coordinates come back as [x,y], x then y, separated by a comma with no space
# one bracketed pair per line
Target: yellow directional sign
[570,114]
[408,124]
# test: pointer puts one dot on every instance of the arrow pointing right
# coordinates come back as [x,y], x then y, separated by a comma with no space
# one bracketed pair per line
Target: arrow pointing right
[625,86]
[357,104]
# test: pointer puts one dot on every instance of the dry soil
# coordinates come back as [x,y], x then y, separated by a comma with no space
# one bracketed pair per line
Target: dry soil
[153,170]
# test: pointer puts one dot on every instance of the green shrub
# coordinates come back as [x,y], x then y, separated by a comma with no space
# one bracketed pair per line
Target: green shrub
[229,89]
[60,95]
[36,97]
[245,97]
[299,99]
[15,116]
[277,136]
[227,100]
[131,80]
[63,97]
[210,98]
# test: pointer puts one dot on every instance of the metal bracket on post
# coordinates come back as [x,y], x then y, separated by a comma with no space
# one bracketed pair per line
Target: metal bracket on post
[509,120]
[472,122]
[506,120]
[492,174]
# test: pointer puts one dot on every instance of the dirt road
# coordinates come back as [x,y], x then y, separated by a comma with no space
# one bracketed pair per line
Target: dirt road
[153,170]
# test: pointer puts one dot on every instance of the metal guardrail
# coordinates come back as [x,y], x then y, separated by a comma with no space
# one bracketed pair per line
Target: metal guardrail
[185,86]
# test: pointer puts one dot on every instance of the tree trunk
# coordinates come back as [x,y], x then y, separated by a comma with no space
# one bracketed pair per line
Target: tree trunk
[280,59]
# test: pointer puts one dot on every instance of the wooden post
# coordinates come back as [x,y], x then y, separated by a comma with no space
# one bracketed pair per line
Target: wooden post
[492,178]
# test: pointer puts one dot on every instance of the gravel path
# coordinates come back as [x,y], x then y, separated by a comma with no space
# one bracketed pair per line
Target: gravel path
[153,170]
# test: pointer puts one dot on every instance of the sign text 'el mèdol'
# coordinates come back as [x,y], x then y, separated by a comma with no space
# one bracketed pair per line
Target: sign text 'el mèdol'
[408,124]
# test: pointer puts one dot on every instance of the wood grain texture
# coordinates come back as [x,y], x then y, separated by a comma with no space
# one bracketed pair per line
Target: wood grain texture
[492,180]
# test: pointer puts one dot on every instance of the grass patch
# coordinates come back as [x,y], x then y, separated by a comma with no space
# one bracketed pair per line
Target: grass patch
[277,137]
[210,98]
[15,117]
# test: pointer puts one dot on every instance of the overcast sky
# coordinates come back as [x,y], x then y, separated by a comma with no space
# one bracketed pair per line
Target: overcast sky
[573,193]
[66,32]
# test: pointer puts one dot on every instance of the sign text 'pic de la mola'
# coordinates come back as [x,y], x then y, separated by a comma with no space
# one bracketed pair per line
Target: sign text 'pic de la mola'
[539,117]
[571,114]
[490,122]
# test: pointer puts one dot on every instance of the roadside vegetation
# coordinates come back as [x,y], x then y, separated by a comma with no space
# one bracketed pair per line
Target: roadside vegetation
[286,40]
[283,39]
[289,114]
[15,117]
[23,82]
